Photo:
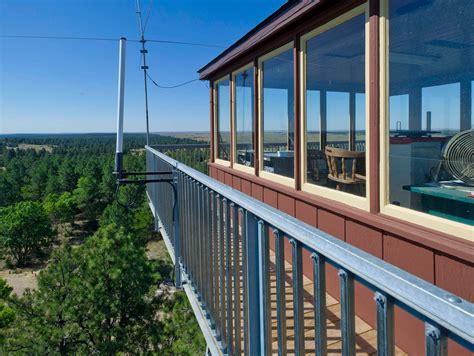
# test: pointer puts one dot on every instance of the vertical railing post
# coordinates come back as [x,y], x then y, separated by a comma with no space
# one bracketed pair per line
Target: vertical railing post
[216,267]
[346,281]
[280,291]
[253,287]
[244,279]
[237,274]
[207,251]
[199,235]
[212,272]
[228,277]
[319,277]
[176,231]
[298,301]
[436,341]
[221,268]
[264,289]
[385,341]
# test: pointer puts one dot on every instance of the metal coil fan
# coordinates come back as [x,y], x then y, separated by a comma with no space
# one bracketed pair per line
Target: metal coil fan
[458,156]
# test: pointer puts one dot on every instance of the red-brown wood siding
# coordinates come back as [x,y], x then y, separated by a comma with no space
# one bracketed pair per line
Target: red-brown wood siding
[236,183]
[246,187]
[257,191]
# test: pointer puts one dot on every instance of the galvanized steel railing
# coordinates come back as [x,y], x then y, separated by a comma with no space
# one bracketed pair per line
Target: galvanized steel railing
[221,243]
[193,155]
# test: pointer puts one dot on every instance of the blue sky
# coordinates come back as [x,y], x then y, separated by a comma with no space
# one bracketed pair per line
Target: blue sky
[71,86]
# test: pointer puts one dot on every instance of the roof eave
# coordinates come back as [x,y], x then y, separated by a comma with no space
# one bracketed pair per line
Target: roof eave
[285,15]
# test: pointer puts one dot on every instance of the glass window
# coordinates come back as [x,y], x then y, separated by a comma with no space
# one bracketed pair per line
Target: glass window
[244,117]
[335,107]
[277,118]
[431,66]
[223,119]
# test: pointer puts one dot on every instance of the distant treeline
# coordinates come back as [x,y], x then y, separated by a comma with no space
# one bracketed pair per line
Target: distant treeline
[97,142]
[32,174]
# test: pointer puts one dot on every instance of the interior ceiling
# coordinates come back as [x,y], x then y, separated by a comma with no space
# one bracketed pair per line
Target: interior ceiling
[431,43]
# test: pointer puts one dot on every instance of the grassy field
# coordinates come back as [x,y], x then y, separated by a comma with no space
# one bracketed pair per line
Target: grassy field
[193,135]
[270,137]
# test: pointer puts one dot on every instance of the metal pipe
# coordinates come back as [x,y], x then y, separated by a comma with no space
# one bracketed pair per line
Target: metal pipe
[120,108]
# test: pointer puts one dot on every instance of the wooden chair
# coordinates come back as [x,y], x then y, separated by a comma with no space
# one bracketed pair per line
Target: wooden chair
[338,171]
[316,164]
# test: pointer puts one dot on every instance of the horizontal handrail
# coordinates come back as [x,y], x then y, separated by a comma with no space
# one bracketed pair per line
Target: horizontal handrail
[430,302]
[180,146]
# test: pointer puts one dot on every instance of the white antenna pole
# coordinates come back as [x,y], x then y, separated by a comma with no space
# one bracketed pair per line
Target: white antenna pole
[121,94]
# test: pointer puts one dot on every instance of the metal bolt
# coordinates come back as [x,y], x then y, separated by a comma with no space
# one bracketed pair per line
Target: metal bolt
[380,299]
[453,298]
[342,274]
[433,333]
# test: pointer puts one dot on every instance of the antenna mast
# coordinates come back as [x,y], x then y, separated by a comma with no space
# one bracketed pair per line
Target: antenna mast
[144,51]
[120,109]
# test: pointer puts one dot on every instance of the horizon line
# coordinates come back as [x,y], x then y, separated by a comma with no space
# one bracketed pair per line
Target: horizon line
[96,132]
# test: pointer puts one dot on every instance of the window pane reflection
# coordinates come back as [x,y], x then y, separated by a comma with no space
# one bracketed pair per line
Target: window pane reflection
[430,107]
[223,119]
[278,114]
[244,117]
[335,107]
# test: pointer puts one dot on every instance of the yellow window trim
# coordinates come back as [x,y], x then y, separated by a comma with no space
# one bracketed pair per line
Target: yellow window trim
[215,143]
[429,221]
[245,169]
[343,197]
[222,162]
[234,127]
[290,182]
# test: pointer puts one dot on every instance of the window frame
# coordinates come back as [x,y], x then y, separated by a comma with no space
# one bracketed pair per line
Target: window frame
[237,166]
[325,192]
[290,182]
[443,225]
[218,160]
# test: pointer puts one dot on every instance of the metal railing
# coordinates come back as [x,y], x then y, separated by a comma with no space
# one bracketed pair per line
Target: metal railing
[227,244]
[193,155]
